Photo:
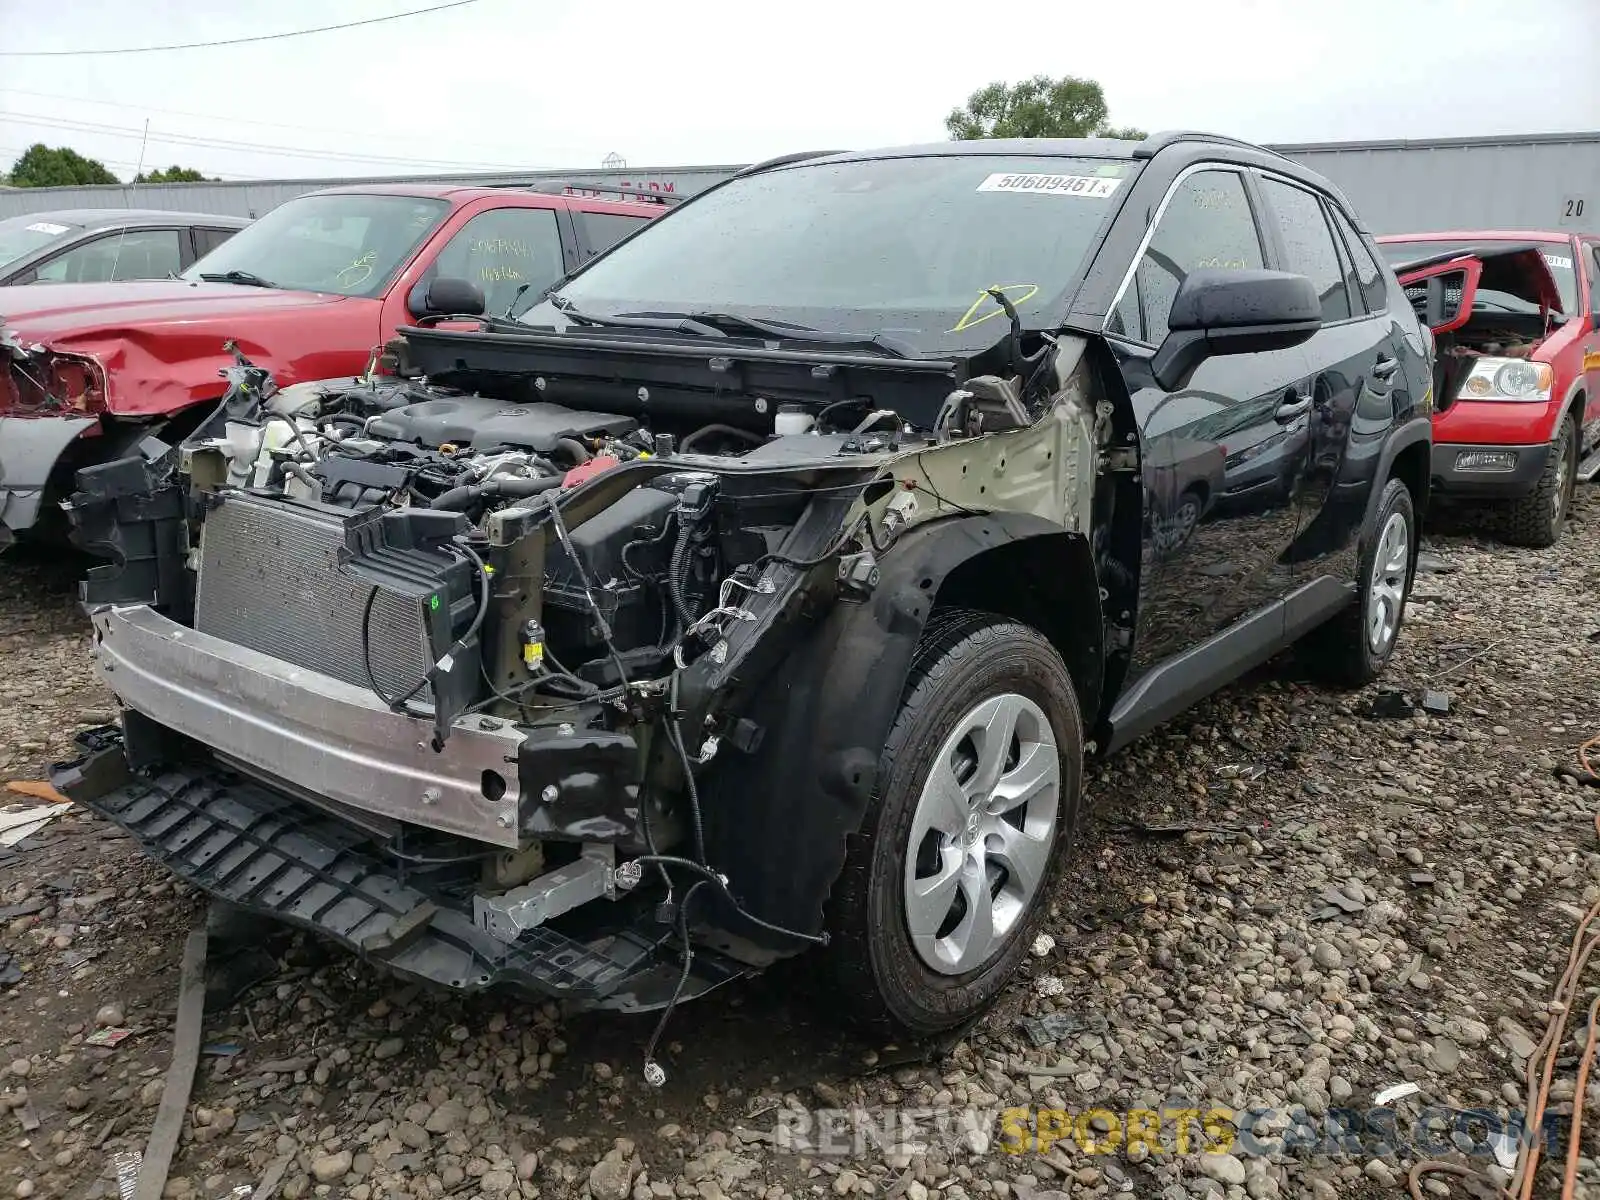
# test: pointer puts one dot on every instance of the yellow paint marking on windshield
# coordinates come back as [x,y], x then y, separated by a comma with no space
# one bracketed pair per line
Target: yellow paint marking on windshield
[970,318]
[359,271]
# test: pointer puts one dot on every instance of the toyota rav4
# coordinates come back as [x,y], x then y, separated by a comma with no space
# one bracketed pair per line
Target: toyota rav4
[765,583]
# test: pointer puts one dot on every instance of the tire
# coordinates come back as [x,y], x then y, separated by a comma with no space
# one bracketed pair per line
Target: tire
[1185,518]
[1536,519]
[967,664]
[1354,647]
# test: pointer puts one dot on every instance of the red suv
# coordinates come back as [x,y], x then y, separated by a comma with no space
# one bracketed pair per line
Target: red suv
[1516,318]
[311,291]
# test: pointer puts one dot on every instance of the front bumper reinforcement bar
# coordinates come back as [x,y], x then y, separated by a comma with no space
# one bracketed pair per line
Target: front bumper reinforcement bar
[312,731]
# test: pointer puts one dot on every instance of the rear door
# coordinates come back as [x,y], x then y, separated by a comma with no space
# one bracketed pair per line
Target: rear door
[1218,521]
[1354,360]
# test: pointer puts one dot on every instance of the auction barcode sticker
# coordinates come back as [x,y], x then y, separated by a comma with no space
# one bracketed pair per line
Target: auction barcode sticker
[1091,186]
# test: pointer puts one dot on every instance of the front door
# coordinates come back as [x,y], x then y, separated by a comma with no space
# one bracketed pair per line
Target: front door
[1591,345]
[1221,453]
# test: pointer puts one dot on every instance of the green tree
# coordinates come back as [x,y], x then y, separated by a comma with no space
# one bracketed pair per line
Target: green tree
[1039,107]
[173,174]
[42,166]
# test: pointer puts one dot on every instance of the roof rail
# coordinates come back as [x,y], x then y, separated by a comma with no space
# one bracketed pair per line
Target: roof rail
[1160,140]
[599,190]
[783,160]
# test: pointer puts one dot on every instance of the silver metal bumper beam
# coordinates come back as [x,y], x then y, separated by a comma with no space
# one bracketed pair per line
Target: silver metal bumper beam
[320,734]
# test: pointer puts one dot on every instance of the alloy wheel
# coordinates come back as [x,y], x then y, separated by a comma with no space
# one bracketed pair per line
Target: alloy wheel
[1388,586]
[982,834]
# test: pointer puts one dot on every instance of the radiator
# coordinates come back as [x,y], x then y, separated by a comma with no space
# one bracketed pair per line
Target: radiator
[277,577]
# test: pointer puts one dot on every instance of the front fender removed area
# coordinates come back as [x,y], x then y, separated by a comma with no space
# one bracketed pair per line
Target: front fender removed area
[785,810]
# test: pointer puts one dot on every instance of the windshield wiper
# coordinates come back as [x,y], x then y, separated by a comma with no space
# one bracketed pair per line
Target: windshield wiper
[248,278]
[722,324]
[672,323]
[791,332]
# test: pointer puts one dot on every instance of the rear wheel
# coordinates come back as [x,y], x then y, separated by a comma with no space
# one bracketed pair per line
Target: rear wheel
[1536,519]
[977,803]
[1353,648]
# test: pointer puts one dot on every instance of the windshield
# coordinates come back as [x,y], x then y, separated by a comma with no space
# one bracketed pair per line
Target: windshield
[1557,255]
[900,247]
[21,236]
[347,245]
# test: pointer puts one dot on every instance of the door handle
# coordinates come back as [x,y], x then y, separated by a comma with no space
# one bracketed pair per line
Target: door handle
[1293,406]
[1385,367]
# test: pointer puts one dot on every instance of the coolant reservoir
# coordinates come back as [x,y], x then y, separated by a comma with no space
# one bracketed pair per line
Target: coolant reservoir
[275,436]
[242,444]
[792,419]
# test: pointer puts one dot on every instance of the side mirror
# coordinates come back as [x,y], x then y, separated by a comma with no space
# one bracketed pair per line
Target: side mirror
[1234,312]
[445,297]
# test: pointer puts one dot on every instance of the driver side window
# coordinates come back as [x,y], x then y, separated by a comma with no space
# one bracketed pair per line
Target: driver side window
[502,249]
[1207,223]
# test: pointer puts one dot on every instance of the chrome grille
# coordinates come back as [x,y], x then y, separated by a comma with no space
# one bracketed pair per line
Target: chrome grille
[271,579]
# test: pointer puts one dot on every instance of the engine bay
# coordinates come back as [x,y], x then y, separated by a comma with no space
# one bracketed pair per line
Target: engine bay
[379,472]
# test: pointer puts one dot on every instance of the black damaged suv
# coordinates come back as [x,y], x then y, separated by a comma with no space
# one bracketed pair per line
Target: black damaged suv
[766,582]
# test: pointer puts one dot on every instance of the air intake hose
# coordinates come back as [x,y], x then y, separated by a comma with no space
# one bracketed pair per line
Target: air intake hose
[460,499]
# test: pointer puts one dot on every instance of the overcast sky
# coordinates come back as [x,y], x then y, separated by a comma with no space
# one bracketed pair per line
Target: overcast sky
[537,84]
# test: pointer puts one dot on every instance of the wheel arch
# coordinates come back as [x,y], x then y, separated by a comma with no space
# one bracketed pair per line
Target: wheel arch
[1407,456]
[778,817]
[1576,406]
[1063,605]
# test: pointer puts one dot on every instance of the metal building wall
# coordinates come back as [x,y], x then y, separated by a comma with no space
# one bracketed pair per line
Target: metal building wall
[1541,181]
[251,199]
[1398,186]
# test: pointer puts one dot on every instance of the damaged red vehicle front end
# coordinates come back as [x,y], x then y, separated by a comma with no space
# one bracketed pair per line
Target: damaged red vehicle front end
[311,291]
[47,401]
[98,367]
[1518,361]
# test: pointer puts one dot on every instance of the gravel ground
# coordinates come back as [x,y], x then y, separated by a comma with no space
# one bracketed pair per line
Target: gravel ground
[1371,901]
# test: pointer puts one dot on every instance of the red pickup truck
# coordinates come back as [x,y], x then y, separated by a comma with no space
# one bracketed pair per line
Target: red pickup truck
[1516,320]
[310,291]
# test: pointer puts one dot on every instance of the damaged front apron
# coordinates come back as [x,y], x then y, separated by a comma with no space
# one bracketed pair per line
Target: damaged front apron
[271,853]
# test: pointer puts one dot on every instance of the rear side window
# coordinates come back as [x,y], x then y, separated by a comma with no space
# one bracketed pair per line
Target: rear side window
[604,230]
[1308,245]
[1368,277]
[1207,223]
[207,240]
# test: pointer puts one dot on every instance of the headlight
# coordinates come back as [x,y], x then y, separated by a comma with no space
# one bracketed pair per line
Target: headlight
[1507,379]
